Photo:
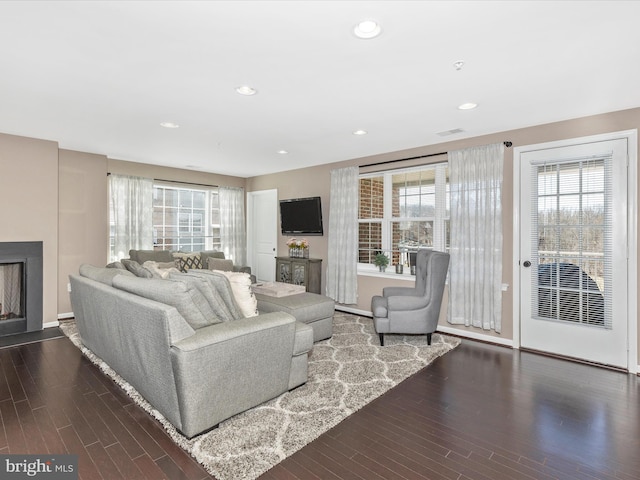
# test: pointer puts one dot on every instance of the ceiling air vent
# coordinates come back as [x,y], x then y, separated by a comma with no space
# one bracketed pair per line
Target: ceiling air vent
[453,131]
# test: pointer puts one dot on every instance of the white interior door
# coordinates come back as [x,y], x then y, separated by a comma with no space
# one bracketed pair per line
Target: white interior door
[573,251]
[262,233]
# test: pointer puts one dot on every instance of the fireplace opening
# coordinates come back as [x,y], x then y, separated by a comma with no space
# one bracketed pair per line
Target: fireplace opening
[11,290]
[20,287]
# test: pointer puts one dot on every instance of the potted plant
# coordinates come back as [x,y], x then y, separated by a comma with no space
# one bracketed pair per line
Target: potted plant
[381,261]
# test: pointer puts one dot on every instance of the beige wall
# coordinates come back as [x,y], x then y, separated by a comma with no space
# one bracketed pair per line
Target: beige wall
[83,217]
[315,181]
[84,213]
[29,205]
[121,167]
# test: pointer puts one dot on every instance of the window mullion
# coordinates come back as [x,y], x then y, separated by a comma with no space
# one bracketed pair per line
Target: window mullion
[388,214]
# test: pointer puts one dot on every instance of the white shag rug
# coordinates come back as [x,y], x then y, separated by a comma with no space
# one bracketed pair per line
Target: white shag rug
[346,372]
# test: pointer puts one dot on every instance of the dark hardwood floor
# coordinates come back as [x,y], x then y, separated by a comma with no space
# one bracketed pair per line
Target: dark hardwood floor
[480,412]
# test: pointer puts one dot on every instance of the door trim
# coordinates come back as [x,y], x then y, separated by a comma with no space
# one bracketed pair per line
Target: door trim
[632,233]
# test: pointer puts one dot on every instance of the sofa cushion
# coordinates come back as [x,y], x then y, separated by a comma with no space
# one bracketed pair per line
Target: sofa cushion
[220,264]
[102,274]
[142,256]
[241,288]
[220,284]
[306,307]
[206,254]
[137,269]
[216,303]
[187,299]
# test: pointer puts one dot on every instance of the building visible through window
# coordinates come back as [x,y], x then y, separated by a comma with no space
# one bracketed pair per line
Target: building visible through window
[401,211]
[185,219]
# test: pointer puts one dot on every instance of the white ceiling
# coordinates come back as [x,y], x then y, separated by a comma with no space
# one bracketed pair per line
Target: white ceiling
[100,77]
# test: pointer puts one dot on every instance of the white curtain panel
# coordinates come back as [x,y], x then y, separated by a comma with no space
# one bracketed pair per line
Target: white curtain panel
[131,210]
[233,237]
[475,275]
[342,262]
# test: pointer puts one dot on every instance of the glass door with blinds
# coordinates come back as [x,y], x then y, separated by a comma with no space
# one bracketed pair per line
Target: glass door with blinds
[573,251]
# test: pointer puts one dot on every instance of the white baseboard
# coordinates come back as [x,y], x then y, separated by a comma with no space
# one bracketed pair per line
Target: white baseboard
[355,311]
[475,336]
[50,324]
[62,316]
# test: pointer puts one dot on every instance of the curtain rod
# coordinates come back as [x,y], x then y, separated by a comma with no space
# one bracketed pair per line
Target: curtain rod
[506,144]
[178,181]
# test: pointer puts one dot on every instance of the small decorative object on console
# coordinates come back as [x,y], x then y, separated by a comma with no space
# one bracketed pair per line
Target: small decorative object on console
[298,248]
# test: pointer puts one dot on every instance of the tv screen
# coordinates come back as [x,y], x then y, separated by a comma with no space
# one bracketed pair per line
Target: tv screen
[301,216]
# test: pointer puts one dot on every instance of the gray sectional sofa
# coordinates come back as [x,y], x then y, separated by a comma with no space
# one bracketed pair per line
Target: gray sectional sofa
[185,347]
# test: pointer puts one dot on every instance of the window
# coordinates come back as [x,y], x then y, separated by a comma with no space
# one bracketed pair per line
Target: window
[185,219]
[403,210]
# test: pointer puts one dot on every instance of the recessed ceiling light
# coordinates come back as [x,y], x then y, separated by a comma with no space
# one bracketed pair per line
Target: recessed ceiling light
[283,152]
[367,29]
[169,125]
[246,90]
[458,65]
[467,106]
[360,132]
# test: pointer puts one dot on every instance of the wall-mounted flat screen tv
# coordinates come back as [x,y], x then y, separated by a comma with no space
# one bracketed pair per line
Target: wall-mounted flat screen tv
[301,216]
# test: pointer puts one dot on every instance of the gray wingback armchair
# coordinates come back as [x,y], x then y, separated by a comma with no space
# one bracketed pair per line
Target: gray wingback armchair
[413,310]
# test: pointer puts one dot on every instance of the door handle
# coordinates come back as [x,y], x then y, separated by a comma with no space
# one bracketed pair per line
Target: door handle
[526,264]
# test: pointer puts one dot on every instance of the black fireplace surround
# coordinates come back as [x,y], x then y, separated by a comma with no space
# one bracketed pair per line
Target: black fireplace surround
[29,254]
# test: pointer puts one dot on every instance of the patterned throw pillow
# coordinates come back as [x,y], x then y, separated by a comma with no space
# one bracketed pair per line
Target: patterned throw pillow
[188,261]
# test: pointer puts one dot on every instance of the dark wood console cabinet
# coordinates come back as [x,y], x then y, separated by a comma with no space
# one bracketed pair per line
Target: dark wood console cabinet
[300,271]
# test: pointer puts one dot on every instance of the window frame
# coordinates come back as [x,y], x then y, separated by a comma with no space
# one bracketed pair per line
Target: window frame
[206,228]
[440,218]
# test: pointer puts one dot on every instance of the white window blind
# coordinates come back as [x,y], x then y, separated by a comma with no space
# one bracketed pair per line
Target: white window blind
[572,241]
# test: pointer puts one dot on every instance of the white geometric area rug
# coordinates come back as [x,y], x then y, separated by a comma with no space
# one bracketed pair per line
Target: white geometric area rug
[346,372]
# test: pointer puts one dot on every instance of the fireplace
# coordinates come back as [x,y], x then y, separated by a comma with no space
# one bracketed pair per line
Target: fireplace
[20,287]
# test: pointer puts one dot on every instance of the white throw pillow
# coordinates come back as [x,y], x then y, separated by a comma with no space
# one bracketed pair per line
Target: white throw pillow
[241,288]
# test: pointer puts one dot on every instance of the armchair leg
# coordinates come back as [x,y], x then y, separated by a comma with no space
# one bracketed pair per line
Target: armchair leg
[381,339]
[428,339]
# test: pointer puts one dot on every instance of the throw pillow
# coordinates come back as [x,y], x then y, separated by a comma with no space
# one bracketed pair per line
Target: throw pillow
[137,269]
[241,288]
[220,264]
[160,270]
[188,261]
[188,300]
